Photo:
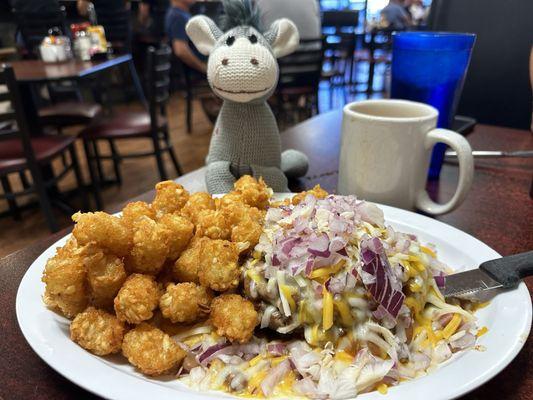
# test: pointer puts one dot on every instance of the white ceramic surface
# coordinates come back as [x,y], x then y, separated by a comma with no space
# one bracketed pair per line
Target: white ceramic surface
[385,152]
[508,318]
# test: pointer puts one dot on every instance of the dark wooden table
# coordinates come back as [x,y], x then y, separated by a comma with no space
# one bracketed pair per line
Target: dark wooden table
[35,71]
[31,72]
[498,211]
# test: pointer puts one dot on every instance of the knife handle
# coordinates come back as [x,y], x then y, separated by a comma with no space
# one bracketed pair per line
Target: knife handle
[510,270]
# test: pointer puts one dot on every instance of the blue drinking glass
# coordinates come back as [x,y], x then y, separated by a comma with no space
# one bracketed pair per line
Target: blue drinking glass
[430,67]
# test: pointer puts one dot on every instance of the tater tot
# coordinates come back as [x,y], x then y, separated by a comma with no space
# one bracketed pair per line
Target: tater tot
[133,211]
[65,278]
[151,350]
[317,191]
[247,232]
[150,247]
[233,197]
[197,202]
[105,230]
[185,302]
[170,198]
[212,224]
[105,274]
[181,231]
[234,317]
[186,267]
[254,193]
[218,268]
[237,212]
[97,331]
[137,299]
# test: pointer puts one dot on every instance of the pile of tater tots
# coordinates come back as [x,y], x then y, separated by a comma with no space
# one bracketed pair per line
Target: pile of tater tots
[127,282]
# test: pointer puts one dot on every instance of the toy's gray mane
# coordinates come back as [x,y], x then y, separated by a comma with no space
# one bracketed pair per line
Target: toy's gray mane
[240,13]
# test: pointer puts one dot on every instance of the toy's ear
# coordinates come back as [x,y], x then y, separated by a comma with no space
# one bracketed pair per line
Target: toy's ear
[283,37]
[203,33]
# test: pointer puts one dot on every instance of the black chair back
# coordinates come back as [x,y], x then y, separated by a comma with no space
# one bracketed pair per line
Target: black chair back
[340,19]
[34,26]
[17,123]
[117,26]
[303,68]
[159,65]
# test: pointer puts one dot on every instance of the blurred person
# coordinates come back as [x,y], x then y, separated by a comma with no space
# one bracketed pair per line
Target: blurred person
[146,16]
[417,11]
[110,5]
[394,16]
[175,21]
[304,13]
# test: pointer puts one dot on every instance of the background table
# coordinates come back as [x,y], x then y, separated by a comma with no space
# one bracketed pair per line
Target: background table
[498,211]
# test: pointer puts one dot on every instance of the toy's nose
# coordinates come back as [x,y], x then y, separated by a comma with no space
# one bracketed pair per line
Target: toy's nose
[225,61]
[254,61]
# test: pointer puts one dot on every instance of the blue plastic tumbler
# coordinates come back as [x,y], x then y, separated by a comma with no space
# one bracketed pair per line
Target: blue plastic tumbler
[430,67]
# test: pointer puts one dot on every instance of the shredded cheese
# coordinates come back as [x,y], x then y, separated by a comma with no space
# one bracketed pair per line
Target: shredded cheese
[482,331]
[452,326]
[327,309]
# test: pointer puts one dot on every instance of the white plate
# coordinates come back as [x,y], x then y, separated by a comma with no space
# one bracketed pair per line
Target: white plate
[508,319]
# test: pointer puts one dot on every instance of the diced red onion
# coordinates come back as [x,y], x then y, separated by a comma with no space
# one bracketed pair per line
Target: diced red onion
[211,352]
[440,281]
[466,341]
[276,349]
[387,289]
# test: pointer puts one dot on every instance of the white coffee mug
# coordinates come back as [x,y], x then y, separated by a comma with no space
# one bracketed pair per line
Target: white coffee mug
[385,152]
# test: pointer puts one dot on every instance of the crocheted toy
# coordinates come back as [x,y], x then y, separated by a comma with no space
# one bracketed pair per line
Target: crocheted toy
[243,71]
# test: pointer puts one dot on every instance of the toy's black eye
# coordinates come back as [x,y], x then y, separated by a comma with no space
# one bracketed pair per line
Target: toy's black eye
[230,40]
[252,38]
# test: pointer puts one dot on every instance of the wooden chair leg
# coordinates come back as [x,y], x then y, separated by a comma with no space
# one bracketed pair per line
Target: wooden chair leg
[159,158]
[44,199]
[79,179]
[10,198]
[174,159]
[116,161]
[24,179]
[96,157]
[95,183]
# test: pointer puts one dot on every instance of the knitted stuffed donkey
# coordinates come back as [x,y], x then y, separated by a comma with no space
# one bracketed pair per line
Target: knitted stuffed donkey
[243,71]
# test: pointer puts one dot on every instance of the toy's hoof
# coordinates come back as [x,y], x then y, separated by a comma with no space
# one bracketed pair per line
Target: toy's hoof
[294,163]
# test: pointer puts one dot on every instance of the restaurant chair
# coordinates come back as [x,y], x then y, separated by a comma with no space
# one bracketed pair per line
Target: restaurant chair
[65,110]
[20,152]
[377,50]
[299,79]
[117,27]
[339,29]
[148,124]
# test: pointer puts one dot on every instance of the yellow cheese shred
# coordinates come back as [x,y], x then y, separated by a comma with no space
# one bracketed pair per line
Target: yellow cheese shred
[452,326]
[287,292]
[382,388]
[344,312]
[327,309]
[482,331]
[428,251]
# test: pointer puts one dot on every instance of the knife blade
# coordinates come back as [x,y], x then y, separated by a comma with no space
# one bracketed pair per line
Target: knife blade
[491,278]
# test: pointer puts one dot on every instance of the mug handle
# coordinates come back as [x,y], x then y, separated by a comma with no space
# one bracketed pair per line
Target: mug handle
[466,171]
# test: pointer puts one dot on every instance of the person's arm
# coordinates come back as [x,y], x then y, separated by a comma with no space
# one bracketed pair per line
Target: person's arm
[184,53]
[83,7]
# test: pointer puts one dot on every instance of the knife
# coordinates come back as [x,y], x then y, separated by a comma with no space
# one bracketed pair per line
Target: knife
[491,278]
